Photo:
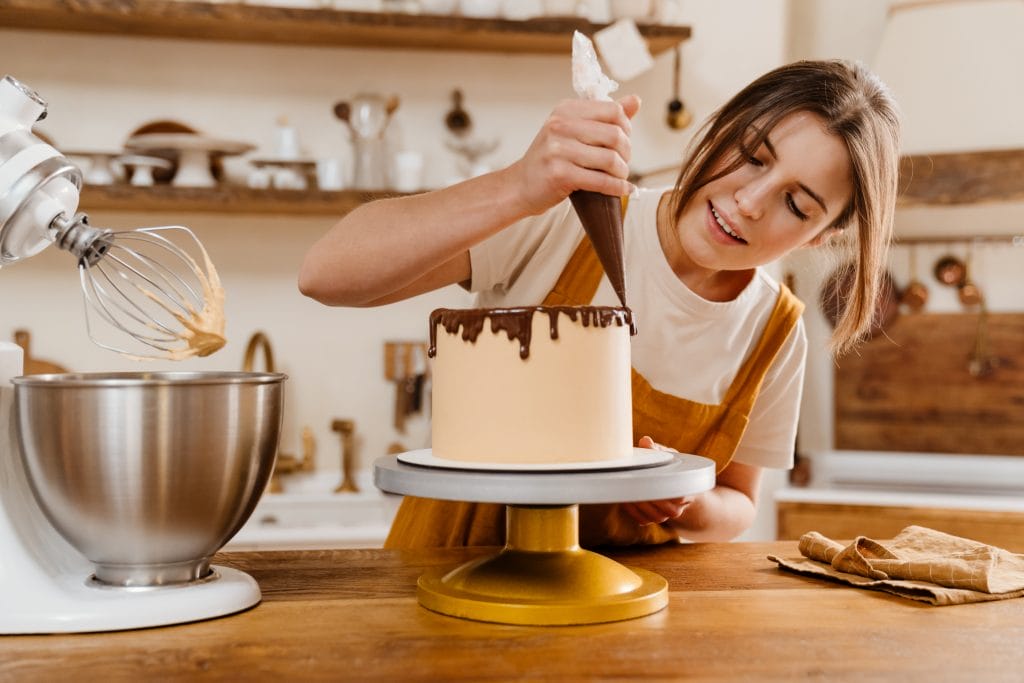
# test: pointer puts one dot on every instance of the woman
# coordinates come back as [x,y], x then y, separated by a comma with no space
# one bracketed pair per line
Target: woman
[800,155]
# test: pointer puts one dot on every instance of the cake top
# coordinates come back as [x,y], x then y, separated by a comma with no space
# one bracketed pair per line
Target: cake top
[517,323]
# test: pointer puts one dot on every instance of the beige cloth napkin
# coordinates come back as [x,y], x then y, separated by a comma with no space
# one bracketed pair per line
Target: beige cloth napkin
[920,564]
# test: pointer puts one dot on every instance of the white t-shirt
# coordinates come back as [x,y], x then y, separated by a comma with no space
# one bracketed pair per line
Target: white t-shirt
[685,345]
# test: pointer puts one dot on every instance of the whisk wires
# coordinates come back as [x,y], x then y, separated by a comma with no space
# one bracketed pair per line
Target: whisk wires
[151,288]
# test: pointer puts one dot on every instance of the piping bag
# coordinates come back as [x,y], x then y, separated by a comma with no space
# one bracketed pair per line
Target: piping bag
[600,214]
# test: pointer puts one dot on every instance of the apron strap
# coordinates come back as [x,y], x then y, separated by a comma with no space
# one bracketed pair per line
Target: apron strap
[747,383]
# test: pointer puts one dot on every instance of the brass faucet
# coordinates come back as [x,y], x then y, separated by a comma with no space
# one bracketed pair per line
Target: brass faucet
[346,428]
[284,463]
[259,341]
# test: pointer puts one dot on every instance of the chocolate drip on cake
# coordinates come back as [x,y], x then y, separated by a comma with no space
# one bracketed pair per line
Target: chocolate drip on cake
[601,216]
[517,323]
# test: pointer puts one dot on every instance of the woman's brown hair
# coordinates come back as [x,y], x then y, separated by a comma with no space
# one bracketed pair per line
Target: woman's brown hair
[854,105]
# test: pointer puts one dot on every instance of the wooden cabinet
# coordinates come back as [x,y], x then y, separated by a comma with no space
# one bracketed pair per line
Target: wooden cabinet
[1004,529]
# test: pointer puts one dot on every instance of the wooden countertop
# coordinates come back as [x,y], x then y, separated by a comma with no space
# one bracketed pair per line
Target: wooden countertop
[732,615]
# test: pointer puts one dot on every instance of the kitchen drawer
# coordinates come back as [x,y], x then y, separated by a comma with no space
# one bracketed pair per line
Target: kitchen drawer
[1004,529]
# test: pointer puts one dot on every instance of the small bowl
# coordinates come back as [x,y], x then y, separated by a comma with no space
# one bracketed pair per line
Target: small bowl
[149,474]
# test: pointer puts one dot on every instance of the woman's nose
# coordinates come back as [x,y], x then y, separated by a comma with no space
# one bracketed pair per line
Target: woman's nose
[749,201]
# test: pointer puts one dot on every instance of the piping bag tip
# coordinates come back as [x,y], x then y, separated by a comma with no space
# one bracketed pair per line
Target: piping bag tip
[601,216]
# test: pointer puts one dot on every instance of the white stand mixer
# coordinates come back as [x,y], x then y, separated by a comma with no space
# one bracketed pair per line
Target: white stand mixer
[45,584]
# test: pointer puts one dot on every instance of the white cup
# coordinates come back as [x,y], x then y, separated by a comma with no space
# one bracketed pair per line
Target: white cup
[560,8]
[636,10]
[520,10]
[258,179]
[408,175]
[595,11]
[287,179]
[483,9]
[328,175]
[438,6]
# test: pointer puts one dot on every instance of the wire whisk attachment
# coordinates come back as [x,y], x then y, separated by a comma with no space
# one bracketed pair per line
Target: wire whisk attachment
[156,285]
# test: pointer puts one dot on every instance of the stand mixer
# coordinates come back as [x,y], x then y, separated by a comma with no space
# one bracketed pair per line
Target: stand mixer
[83,500]
[116,489]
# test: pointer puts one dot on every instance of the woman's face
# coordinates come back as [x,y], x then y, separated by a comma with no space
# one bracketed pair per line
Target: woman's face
[784,195]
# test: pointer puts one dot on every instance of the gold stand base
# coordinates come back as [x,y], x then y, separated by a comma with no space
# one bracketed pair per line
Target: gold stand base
[542,577]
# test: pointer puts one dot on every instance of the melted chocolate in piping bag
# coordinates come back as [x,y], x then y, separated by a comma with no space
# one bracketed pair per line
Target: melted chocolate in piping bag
[517,323]
[601,216]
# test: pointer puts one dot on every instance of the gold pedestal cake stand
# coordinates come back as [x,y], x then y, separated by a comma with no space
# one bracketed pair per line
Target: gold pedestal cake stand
[542,576]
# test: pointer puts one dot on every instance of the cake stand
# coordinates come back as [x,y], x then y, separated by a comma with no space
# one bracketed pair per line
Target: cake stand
[194,153]
[542,576]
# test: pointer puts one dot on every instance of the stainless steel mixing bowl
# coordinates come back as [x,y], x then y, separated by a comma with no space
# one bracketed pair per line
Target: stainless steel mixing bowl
[149,474]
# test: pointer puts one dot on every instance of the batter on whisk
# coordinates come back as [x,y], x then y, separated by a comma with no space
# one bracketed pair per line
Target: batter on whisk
[203,332]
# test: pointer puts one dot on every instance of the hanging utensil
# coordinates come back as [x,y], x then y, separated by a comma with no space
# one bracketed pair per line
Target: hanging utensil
[678,116]
[982,363]
[968,292]
[457,119]
[950,271]
[915,295]
[954,272]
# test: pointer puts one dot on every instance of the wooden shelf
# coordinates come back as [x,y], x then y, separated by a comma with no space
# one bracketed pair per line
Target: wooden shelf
[223,199]
[936,179]
[962,177]
[265,24]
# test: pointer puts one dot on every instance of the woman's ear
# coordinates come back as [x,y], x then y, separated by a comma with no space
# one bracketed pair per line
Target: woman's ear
[825,237]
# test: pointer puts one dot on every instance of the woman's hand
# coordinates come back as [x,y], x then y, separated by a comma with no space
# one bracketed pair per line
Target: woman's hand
[583,145]
[656,511]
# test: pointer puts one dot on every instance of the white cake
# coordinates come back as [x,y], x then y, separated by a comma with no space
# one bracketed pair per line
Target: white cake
[531,385]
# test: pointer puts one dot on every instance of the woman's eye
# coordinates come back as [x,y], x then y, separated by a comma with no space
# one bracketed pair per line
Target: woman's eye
[751,159]
[793,207]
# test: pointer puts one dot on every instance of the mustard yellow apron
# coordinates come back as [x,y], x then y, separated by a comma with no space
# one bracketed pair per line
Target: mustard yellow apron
[713,431]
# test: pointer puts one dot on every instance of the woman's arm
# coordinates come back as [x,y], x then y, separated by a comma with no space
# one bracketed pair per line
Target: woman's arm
[721,514]
[396,248]
[724,512]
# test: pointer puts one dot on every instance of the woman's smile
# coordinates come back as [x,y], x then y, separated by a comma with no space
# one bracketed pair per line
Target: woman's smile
[721,228]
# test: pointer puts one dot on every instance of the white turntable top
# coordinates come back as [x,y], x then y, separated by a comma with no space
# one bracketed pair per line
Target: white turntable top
[680,475]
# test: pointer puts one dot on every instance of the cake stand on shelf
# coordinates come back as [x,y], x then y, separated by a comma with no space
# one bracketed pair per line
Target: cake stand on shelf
[194,153]
[542,576]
